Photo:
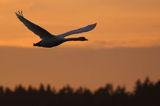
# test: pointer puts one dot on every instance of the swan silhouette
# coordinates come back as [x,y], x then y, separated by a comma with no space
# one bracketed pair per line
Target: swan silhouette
[49,40]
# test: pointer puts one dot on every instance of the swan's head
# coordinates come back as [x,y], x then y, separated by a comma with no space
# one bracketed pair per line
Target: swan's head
[82,39]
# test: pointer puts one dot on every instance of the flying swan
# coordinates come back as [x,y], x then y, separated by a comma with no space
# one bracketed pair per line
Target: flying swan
[49,40]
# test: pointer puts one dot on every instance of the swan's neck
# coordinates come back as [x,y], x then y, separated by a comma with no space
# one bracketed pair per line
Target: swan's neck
[76,39]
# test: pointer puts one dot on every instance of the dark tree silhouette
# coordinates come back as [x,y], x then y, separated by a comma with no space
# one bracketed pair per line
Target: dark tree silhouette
[146,93]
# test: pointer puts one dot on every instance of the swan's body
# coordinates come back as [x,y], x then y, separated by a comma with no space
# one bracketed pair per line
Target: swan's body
[49,40]
[55,42]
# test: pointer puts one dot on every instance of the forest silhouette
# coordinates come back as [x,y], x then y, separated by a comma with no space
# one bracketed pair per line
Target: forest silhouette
[145,93]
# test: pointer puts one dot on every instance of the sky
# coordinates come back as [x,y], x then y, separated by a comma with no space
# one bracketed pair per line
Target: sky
[120,22]
[122,48]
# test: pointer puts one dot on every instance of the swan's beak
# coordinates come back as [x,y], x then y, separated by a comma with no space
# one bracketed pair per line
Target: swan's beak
[86,39]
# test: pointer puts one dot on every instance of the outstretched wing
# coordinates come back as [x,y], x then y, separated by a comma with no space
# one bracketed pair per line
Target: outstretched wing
[42,33]
[80,30]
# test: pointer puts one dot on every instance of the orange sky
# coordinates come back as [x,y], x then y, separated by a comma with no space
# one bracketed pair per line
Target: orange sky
[120,22]
[78,66]
[123,47]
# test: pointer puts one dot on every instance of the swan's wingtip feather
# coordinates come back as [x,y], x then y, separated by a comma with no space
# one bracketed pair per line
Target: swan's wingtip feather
[19,13]
[95,24]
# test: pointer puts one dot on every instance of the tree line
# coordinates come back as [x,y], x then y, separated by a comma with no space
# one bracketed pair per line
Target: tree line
[145,93]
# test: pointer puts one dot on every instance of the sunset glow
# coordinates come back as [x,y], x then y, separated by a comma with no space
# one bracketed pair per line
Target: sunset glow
[122,48]
[120,22]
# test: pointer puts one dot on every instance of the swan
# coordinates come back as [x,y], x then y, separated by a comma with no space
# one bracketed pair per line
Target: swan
[49,40]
